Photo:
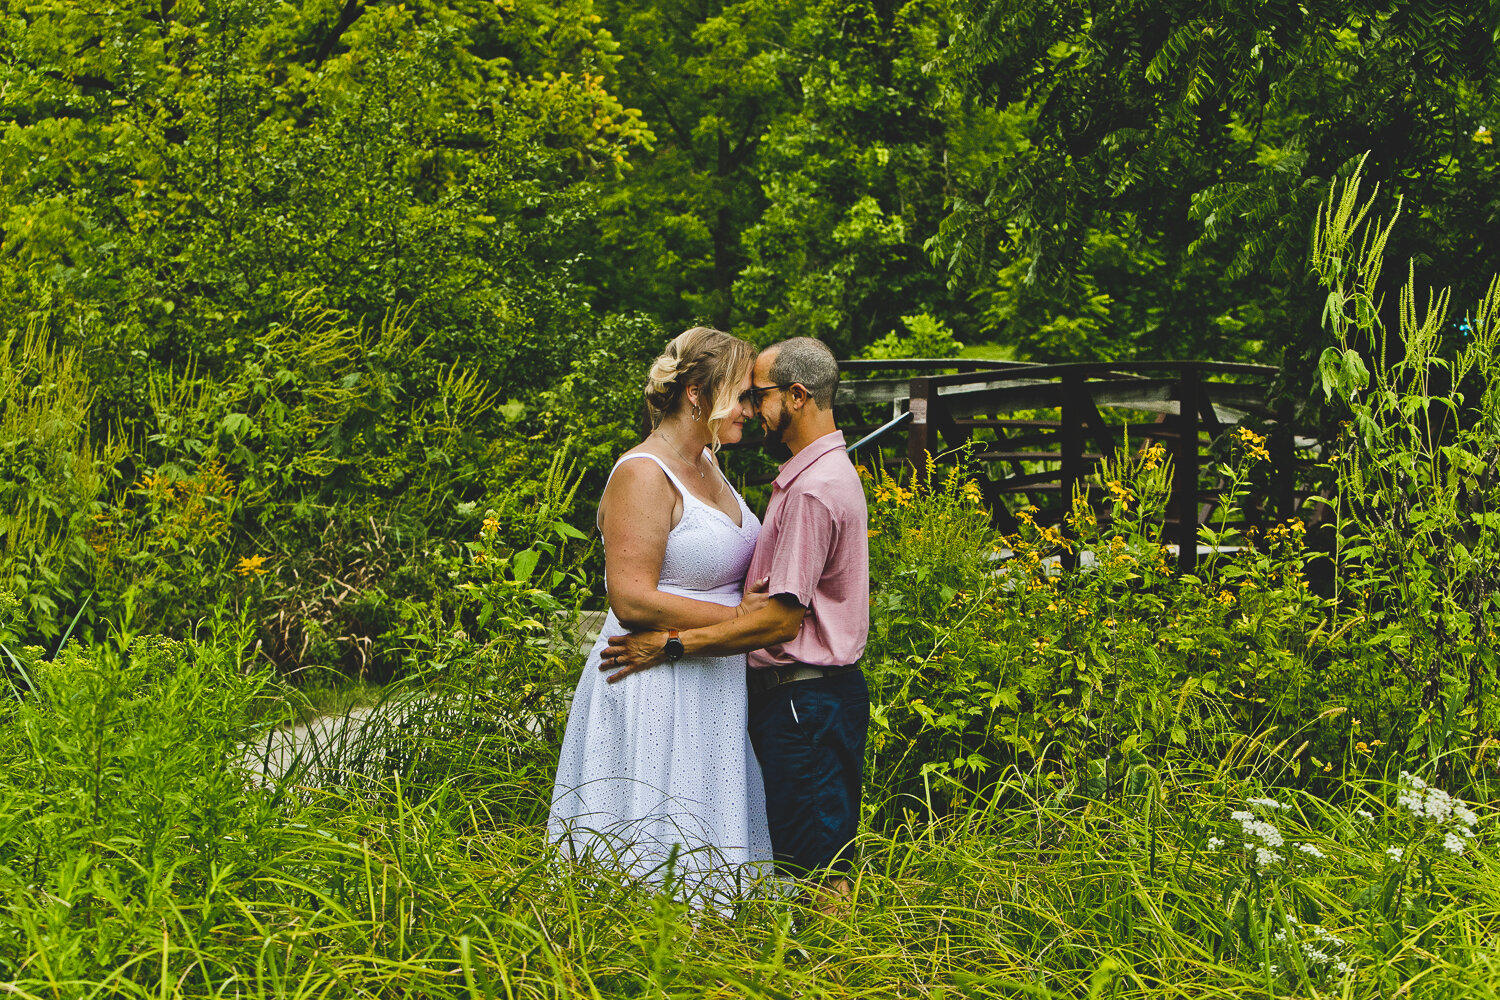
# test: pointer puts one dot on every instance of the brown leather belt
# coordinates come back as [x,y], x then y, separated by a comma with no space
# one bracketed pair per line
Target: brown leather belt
[762,679]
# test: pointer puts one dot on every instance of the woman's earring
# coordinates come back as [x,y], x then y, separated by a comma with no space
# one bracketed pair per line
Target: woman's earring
[696,414]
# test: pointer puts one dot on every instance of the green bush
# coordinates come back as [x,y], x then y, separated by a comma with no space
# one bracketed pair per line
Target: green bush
[53,476]
[989,657]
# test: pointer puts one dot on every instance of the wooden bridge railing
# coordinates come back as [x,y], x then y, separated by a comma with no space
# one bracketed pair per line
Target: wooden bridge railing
[992,406]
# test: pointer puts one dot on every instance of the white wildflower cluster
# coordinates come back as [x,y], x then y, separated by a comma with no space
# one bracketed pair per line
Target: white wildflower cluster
[1320,947]
[1269,804]
[1260,830]
[1365,815]
[1396,853]
[1214,843]
[1450,815]
[1311,851]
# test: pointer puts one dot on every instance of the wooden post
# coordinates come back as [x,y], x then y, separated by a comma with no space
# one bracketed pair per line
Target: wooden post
[1185,473]
[918,436]
[1283,458]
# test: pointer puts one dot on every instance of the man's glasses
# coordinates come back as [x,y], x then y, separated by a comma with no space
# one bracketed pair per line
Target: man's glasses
[751,397]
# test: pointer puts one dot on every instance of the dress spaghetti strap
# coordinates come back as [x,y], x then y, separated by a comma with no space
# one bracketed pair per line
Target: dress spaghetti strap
[676,483]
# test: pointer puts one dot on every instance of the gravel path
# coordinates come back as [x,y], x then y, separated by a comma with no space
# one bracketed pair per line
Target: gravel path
[331,742]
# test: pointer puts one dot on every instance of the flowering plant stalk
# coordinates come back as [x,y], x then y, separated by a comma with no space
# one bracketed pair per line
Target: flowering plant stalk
[1418,528]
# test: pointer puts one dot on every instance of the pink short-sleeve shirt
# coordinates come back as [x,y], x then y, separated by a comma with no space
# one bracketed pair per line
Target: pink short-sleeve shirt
[814,545]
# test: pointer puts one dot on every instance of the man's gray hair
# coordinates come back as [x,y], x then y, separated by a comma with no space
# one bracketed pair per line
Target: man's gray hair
[810,362]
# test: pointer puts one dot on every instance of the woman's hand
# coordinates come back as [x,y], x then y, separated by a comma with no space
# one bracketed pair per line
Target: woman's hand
[757,596]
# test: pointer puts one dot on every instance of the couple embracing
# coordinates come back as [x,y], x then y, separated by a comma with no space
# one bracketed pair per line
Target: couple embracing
[679,763]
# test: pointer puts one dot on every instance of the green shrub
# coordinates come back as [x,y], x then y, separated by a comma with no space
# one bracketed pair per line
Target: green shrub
[53,474]
[988,656]
[925,337]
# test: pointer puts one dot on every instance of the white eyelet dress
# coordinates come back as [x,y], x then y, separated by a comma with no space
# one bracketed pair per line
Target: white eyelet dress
[657,776]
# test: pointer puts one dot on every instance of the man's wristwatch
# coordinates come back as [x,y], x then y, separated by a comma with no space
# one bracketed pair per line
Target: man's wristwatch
[673,649]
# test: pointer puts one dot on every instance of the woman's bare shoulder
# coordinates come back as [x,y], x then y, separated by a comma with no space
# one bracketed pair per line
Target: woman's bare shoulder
[637,475]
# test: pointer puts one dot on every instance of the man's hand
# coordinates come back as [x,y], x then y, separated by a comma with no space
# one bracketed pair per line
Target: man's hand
[757,596]
[629,654]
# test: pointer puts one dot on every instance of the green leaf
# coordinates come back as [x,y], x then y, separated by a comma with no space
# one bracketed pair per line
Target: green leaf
[523,564]
[1355,372]
[1330,370]
[236,425]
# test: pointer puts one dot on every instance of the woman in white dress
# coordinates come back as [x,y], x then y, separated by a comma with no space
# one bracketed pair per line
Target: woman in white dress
[657,775]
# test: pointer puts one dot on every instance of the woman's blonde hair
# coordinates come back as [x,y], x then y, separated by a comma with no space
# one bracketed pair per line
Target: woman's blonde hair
[712,361]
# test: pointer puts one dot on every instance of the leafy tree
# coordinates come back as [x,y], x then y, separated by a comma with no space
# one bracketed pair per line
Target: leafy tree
[1192,144]
[854,179]
[801,158]
[224,160]
[300,252]
[710,78]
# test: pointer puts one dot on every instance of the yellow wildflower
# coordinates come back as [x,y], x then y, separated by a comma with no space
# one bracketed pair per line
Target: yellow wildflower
[1255,444]
[1225,598]
[251,564]
[1484,135]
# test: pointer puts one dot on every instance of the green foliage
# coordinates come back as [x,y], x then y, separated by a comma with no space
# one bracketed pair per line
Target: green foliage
[293,258]
[926,337]
[1419,532]
[1199,142]
[229,159]
[137,857]
[988,657]
[598,405]
[799,166]
[518,584]
[708,78]
[52,476]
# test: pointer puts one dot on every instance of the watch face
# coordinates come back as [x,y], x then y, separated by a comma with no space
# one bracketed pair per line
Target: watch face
[673,649]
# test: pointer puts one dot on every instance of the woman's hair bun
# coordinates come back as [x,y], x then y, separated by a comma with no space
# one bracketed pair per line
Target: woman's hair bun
[661,380]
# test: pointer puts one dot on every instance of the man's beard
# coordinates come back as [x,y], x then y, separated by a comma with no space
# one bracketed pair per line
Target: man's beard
[775,443]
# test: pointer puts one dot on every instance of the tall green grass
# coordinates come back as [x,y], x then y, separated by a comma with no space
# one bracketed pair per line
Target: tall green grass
[138,858]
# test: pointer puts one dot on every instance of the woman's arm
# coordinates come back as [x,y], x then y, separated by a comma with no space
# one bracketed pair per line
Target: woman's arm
[635,516]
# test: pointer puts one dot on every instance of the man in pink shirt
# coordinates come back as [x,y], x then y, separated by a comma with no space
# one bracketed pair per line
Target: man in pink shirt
[809,704]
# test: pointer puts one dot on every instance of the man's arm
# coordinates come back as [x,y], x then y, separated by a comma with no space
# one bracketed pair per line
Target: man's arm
[778,621]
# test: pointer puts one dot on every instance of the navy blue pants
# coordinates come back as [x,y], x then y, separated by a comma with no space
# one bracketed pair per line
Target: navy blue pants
[810,739]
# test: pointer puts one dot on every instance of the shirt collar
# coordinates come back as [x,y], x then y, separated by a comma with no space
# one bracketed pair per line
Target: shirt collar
[799,463]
